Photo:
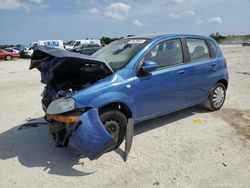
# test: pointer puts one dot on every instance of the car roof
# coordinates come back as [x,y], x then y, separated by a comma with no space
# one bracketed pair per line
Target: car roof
[153,36]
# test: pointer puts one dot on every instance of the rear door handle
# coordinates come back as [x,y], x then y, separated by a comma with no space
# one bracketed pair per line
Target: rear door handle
[181,72]
[213,64]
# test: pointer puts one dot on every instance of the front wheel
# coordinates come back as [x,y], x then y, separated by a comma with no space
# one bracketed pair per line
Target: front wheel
[115,122]
[216,97]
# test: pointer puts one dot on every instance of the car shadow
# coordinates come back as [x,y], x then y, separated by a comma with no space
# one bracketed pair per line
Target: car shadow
[164,120]
[34,147]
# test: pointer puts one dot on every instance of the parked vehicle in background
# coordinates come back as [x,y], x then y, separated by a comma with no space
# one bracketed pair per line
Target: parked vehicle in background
[21,48]
[77,43]
[28,51]
[88,100]
[246,44]
[8,55]
[87,49]
[12,50]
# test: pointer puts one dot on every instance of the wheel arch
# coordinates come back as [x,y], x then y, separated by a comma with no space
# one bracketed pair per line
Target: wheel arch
[224,82]
[124,108]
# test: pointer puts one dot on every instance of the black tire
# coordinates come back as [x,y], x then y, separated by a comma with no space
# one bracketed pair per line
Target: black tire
[214,103]
[115,122]
[8,57]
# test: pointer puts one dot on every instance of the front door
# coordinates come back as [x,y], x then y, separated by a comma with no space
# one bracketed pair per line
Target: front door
[165,89]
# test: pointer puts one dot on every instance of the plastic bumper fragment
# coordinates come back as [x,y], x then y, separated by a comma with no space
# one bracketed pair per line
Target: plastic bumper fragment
[128,138]
[90,137]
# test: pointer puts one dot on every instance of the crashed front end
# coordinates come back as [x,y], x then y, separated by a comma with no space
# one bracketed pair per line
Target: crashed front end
[65,73]
[84,133]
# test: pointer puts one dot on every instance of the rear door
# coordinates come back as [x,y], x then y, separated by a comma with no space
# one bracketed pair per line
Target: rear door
[202,68]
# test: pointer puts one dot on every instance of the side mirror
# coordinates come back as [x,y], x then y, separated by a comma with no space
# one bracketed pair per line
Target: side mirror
[149,66]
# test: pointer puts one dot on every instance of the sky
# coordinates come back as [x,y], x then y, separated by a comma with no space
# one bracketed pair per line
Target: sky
[24,21]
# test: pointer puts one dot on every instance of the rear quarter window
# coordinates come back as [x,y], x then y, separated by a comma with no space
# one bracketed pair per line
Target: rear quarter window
[198,49]
[213,48]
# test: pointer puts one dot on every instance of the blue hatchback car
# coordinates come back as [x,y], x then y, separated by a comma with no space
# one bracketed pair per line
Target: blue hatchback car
[89,99]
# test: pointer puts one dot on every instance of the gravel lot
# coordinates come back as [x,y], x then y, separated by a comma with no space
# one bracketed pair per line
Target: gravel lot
[190,148]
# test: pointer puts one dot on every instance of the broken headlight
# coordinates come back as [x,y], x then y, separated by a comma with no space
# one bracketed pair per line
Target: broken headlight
[61,105]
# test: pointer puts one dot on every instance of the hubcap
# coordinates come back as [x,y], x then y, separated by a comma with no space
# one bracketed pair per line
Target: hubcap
[218,97]
[8,58]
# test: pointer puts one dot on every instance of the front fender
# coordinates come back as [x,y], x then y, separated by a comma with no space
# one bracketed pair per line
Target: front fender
[107,98]
[111,97]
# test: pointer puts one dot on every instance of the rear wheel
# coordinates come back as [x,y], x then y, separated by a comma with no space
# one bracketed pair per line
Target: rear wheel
[115,122]
[8,57]
[216,97]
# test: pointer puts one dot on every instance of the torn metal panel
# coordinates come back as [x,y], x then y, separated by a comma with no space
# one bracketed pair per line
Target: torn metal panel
[58,66]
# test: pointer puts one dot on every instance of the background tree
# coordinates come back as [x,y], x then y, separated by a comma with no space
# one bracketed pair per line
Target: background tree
[107,40]
[216,36]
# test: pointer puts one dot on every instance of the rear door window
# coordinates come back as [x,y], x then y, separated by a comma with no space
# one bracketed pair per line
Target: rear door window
[198,49]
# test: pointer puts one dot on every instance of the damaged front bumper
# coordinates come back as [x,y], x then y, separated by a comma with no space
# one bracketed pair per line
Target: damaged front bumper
[89,137]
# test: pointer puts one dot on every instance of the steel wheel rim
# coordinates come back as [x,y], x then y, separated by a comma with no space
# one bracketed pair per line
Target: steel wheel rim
[8,58]
[218,97]
[112,126]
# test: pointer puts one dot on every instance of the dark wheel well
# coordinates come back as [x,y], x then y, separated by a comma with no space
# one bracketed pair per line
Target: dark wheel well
[224,82]
[119,106]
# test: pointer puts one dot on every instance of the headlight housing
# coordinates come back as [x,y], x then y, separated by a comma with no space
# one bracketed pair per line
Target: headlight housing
[61,105]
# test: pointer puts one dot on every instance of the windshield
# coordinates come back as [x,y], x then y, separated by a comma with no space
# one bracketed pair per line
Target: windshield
[29,45]
[118,53]
[72,43]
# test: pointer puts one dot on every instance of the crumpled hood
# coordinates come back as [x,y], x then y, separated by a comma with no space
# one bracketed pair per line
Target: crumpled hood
[57,64]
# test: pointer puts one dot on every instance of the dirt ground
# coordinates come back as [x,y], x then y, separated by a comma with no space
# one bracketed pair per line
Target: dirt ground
[190,148]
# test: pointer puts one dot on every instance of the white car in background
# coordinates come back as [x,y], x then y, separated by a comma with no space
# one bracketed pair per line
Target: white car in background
[28,51]
[12,50]
[78,43]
